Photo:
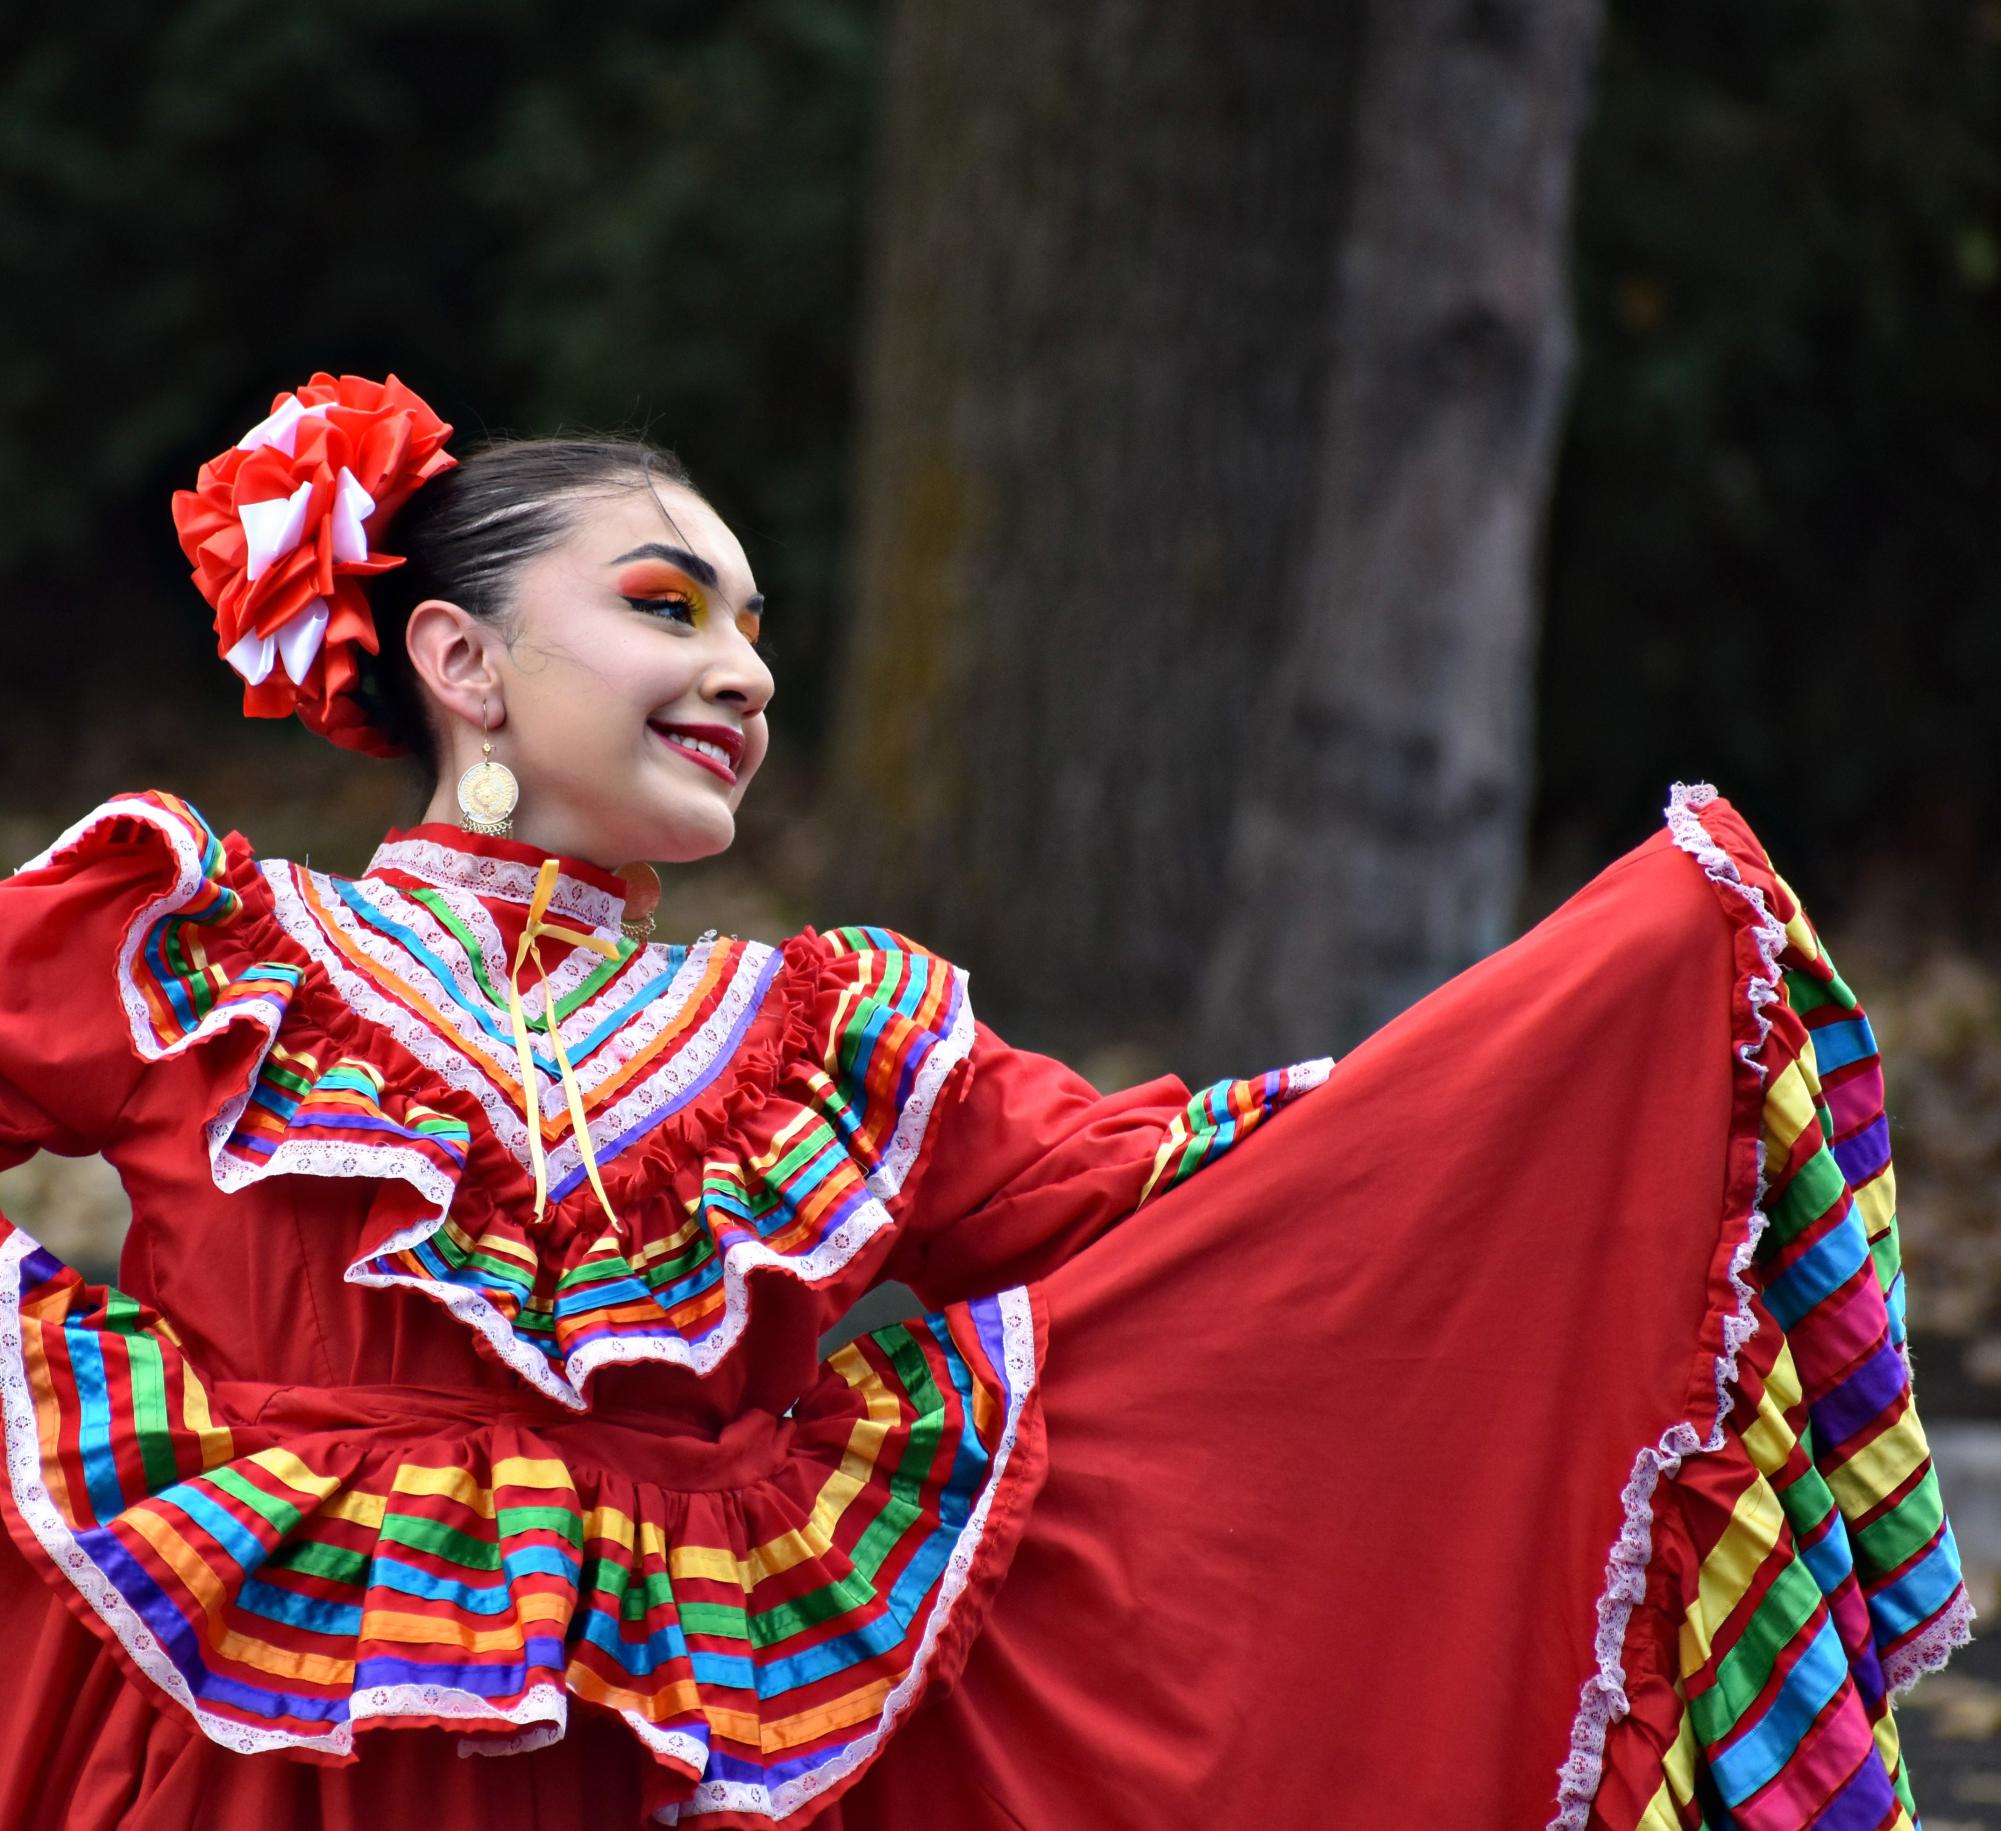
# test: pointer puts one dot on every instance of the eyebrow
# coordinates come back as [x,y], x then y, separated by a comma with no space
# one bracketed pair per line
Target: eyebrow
[695,567]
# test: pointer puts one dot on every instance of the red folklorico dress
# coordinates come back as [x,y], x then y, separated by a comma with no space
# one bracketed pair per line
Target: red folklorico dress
[1508,1426]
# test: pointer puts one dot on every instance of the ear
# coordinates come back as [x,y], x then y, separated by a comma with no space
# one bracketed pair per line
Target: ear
[453,654]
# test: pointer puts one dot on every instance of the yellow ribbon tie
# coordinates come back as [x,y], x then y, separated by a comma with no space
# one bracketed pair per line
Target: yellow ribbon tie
[526,949]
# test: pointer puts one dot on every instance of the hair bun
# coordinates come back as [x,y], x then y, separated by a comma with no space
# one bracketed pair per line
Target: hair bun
[280,530]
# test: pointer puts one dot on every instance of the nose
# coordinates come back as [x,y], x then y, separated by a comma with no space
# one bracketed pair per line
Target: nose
[741,679]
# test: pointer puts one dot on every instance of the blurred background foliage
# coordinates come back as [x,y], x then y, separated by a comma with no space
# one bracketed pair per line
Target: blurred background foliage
[1773,553]
[652,216]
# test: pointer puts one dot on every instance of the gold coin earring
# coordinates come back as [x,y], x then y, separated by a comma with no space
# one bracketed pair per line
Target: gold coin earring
[642,900]
[489,792]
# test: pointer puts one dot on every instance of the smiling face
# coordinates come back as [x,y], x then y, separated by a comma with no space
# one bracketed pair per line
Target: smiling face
[628,695]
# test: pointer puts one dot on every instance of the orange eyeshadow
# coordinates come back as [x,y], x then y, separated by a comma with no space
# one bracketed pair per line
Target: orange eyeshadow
[650,579]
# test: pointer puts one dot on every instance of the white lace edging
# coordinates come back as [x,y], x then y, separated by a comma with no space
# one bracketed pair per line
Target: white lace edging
[394,904]
[266,1011]
[465,1063]
[915,1119]
[1303,1077]
[543,1704]
[398,907]
[740,1258]
[779,1802]
[444,868]
[1930,1651]
[677,1076]
[541,1715]
[676,1079]
[478,1312]
[1603,1700]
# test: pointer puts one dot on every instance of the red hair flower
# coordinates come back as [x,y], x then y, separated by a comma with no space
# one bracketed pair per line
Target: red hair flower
[280,531]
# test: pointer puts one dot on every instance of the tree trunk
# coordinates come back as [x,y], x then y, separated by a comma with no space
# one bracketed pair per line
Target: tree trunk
[1098,462]
[1379,851]
[1091,403]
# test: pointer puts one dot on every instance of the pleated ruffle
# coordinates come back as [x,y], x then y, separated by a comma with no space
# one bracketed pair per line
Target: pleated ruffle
[293,1569]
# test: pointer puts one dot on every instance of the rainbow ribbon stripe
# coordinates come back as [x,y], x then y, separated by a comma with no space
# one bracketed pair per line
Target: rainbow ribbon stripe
[284,1589]
[899,1005]
[804,1177]
[175,991]
[1818,1571]
[184,993]
[1223,1114]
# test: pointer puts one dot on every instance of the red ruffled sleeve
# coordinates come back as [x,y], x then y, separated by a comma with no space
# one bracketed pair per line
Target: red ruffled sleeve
[80,989]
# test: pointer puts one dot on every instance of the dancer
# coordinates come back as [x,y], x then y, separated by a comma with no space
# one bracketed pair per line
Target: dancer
[1508,1425]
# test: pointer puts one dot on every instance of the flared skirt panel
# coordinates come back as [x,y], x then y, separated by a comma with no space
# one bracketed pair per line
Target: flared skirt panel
[1518,1434]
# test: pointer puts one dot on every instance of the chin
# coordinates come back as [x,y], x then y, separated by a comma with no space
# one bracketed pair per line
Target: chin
[686,836]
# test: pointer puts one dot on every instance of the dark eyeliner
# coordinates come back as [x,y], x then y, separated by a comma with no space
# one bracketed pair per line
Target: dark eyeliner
[657,607]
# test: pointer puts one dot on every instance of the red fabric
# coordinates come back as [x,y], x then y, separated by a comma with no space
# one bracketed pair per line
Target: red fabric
[1337,1428]
[1034,1164]
[1337,1432]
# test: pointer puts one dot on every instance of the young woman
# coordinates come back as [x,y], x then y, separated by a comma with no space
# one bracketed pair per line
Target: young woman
[1507,1426]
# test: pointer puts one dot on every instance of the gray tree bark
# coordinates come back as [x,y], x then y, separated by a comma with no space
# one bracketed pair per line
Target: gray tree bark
[1381,850]
[1091,398]
[1107,438]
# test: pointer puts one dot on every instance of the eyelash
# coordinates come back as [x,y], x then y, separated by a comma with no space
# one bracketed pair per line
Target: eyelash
[682,610]
[677,609]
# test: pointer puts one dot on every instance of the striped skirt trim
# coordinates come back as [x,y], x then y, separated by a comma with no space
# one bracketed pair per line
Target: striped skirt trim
[1786,1564]
[290,1587]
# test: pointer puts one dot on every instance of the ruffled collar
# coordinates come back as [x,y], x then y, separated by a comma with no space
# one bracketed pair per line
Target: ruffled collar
[501,873]
[751,1108]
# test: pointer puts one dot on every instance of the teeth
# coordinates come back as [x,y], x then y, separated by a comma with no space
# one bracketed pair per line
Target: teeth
[703,747]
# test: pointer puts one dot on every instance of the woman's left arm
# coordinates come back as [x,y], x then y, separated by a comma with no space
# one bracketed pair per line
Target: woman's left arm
[998,1163]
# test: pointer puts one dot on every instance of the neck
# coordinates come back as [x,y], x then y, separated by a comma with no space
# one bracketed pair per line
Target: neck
[443,805]
[545,838]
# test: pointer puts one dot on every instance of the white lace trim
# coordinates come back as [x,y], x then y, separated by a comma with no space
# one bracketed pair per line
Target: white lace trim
[397,906]
[673,1079]
[1930,1651]
[24,1473]
[542,1714]
[477,1040]
[915,1119]
[576,966]
[694,1059]
[1303,1077]
[1603,1700]
[426,1044]
[477,1311]
[316,1158]
[740,1258]
[506,879]
[775,1803]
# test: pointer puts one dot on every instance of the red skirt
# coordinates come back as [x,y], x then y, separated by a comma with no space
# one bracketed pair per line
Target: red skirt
[1441,1456]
